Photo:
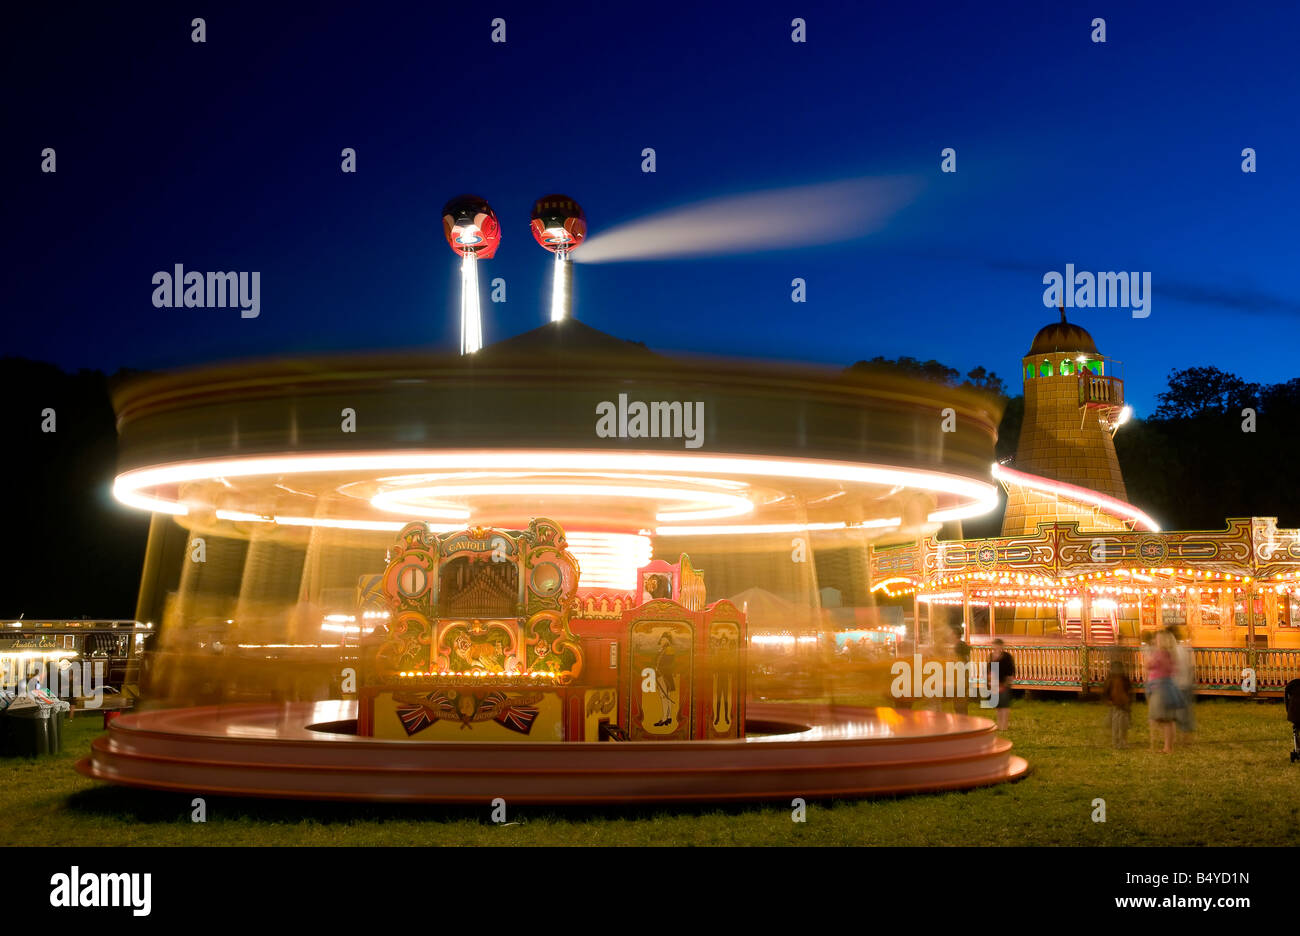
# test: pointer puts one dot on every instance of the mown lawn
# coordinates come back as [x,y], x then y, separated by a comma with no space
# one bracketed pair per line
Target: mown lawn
[1234,785]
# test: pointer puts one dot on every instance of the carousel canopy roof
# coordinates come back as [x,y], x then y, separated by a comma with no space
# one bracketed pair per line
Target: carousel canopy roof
[569,336]
[564,421]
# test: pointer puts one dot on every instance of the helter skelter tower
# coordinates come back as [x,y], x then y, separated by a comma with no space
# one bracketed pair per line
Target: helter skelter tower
[1065,468]
[1074,402]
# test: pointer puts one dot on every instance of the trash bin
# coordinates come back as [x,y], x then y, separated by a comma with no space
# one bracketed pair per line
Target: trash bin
[32,730]
[58,712]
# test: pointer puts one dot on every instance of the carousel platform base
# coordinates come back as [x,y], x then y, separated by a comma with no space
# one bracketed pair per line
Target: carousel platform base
[303,750]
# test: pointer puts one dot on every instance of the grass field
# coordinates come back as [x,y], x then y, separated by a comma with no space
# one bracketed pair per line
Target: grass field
[1234,785]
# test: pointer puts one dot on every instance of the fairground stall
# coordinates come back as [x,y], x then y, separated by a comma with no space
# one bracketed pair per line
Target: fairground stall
[1234,594]
[90,664]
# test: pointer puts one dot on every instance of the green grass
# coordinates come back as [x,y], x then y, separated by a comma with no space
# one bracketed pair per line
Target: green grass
[1234,785]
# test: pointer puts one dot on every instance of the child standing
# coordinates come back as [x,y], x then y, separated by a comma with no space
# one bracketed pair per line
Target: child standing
[1118,693]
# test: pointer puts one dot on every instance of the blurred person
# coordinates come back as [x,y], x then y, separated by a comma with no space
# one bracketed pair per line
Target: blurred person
[1162,694]
[1185,682]
[1118,693]
[1004,666]
[961,652]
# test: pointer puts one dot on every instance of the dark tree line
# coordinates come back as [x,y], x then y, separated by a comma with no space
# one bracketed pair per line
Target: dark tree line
[1216,447]
[979,378]
[70,550]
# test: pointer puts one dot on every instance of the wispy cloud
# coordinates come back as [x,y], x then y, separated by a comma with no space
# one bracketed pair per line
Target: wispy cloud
[776,219]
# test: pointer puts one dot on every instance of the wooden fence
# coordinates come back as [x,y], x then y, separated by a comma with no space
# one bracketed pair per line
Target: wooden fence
[1219,670]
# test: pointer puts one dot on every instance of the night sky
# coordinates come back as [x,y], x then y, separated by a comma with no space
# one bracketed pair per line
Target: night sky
[226,156]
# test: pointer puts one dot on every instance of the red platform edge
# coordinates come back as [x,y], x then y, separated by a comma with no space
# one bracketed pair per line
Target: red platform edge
[269,750]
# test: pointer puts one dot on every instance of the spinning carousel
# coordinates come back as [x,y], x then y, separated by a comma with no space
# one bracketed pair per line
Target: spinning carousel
[446,578]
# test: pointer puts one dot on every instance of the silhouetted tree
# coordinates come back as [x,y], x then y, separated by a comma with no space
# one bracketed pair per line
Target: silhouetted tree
[987,381]
[1197,391]
[909,367]
[1197,460]
[979,378]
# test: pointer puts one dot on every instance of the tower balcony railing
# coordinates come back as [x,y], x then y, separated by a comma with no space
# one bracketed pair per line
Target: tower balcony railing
[1095,389]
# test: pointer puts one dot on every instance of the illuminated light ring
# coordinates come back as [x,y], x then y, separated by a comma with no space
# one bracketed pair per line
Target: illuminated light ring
[938,516]
[950,513]
[391,502]
[722,505]
[720,530]
[896,580]
[240,516]
[131,486]
[340,523]
[609,560]
[409,479]
[1110,505]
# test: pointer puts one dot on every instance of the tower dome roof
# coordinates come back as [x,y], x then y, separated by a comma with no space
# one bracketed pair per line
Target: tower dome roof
[1062,336]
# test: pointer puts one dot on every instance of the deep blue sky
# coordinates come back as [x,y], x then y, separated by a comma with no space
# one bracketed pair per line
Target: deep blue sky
[225,156]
